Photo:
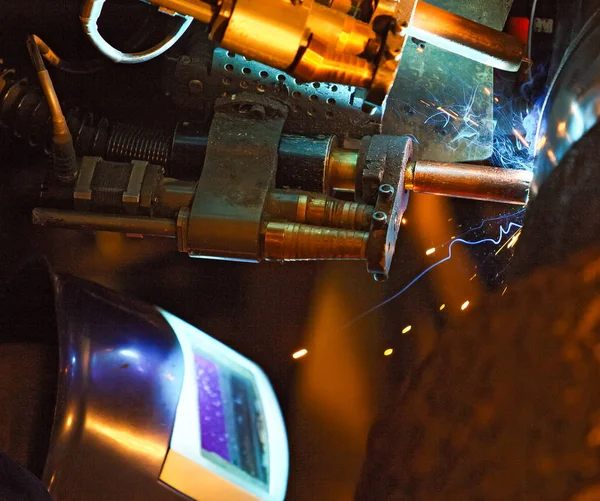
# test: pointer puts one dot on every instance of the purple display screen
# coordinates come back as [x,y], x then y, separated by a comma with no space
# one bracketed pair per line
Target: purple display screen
[231,418]
[213,429]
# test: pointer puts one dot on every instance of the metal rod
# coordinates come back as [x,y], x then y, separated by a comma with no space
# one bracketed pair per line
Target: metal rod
[148,226]
[477,182]
[465,37]
[201,11]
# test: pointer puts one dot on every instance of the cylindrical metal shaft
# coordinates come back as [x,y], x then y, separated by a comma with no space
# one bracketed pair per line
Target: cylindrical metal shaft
[201,11]
[465,37]
[341,170]
[301,242]
[320,210]
[148,226]
[477,182]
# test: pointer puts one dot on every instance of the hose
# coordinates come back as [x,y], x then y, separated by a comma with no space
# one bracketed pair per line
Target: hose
[92,9]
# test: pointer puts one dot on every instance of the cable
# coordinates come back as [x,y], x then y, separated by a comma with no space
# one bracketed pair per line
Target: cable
[530,34]
[55,60]
[63,151]
[89,17]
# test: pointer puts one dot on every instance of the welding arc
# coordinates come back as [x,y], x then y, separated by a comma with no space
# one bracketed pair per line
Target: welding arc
[503,232]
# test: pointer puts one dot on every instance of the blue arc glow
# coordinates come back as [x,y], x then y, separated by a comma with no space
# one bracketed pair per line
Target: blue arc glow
[503,232]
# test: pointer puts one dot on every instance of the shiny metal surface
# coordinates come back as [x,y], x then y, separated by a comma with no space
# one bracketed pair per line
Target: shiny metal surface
[341,170]
[318,209]
[300,242]
[476,182]
[572,106]
[467,38]
[121,373]
[269,31]
[422,90]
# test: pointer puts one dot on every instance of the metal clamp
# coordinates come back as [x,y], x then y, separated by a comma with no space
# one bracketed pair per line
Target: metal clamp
[395,17]
[83,186]
[239,170]
[131,196]
[386,161]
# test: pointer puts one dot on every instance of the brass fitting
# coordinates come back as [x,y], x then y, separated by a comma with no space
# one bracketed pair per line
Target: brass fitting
[343,33]
[341,170]
[301,242]
[316,209]
[320,63]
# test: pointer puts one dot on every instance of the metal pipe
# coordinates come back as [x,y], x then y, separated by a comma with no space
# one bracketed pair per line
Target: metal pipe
[147,226]
[477,182]
[200,11]
[465,37]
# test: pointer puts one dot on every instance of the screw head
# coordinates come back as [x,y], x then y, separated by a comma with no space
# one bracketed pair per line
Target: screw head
[258,111]
[379,218]
[195,86]
[186,59]
[386,190]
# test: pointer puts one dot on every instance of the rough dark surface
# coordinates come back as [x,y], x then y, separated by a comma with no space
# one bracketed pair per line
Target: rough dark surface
[565,216]
[28,372]
[508,405]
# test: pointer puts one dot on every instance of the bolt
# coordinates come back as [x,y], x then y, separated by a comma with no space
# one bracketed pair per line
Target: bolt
[400,28]
[379,218]
[186,59]
[386,191]
[195,86]
[258,111]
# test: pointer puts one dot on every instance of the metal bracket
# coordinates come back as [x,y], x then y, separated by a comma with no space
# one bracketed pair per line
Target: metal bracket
[391,18]
[240,167]
[386,156]
[82,194]
[131,196]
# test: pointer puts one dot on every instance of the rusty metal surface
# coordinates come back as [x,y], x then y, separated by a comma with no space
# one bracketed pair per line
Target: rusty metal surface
[441,97]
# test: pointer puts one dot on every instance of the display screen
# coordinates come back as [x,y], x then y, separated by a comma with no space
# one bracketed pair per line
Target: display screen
[232,427]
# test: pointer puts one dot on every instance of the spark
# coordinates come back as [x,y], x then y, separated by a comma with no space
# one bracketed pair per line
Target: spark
[406,329]
[388,352]
[404,221]
[464,306]
[520,137]
[469,119]
[496,241]
[496,99]
[513,241]
[300,353]
[504,291]
[471,279]
[429,252]
[425,102]
[552,156]
[487,91]
[444,111]
[442,307]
